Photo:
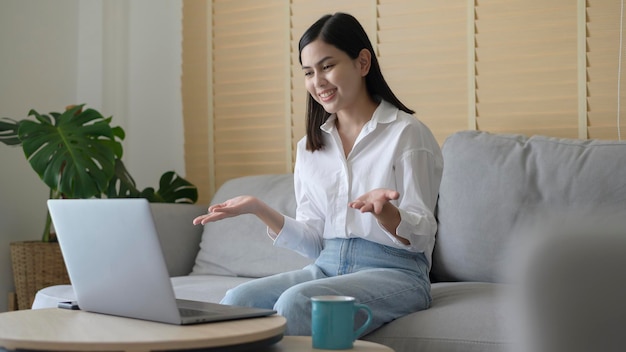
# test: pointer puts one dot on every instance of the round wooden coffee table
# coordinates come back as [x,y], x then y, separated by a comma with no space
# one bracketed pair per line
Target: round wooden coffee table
[69,330]
[304,344]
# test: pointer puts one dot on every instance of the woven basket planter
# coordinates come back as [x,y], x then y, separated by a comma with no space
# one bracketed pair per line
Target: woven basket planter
[36,265]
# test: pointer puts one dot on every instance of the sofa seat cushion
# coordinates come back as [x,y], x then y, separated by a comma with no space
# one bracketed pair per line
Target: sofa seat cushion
[205,288]
[464,316]
[50,296]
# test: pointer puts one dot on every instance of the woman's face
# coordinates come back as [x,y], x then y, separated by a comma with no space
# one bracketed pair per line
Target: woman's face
[333,79]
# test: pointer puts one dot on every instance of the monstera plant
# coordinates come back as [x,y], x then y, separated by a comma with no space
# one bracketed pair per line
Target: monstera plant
[78,154]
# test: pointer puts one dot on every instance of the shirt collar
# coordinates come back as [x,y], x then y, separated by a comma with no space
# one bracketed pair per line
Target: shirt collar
[384,113]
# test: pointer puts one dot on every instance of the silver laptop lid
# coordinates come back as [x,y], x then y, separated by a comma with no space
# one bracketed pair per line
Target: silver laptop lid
[114,258]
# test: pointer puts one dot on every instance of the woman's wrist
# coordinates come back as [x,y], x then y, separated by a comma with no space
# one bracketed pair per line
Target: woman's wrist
[273,219]
[390,219]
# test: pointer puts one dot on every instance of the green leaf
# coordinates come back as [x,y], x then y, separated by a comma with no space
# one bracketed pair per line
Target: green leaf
[44,119]
[122,184]
[151,196]
[172,188]
[8,131]
[175,189]
[74,152]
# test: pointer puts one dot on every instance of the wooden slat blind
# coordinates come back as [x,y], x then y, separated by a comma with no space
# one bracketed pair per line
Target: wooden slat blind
[249,88]
[511,66]
[603,17]
[526,67]
[423,55]
[195,82]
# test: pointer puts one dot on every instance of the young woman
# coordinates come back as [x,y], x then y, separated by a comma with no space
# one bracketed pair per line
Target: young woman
[366,181]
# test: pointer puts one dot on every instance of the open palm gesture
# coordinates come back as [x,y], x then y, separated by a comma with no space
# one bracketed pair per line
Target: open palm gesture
[232,207]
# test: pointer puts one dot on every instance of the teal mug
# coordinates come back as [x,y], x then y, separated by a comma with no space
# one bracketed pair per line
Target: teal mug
[332,322]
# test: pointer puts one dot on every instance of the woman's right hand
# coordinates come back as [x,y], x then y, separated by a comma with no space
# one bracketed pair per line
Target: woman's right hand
[230,208]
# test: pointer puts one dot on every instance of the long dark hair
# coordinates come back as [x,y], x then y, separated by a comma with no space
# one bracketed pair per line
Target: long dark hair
[345,33]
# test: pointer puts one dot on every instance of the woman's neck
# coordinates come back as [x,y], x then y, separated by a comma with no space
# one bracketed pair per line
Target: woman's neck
[350,122]
[357,115]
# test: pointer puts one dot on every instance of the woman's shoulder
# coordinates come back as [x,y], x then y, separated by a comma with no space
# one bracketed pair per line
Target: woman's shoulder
[414,134]
[412,123]
[301,143]
[401,117]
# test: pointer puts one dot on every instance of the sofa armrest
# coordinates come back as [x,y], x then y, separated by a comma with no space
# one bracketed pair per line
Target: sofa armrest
[180,239]
[572,284]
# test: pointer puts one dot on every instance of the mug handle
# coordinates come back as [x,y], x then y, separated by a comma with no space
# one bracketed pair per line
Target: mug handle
[360,330]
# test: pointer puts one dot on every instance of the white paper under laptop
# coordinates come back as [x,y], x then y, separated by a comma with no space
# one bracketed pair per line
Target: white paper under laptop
[116,265]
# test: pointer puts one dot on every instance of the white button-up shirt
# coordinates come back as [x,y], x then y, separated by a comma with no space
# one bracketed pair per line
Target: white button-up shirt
[394,150]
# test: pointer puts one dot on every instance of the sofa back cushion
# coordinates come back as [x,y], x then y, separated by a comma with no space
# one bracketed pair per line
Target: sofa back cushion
[240,246]
[179,238]
[492,183]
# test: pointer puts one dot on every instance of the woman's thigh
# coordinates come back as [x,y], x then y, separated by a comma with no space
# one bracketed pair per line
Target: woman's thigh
[389,293]
[264,292]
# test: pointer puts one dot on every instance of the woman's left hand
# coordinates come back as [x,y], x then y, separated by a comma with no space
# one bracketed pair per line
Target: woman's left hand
[377,202]
[374,201]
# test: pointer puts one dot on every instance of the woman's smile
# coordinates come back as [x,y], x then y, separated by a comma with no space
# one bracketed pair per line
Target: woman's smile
[327,95]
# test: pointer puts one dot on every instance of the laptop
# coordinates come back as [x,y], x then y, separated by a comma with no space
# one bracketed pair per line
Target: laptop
[115,263]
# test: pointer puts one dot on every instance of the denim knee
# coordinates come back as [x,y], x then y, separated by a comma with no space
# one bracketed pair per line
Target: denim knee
[295,306]
[246,297]
[236,297]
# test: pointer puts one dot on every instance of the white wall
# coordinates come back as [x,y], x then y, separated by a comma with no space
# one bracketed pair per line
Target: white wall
[155,103]
[120,57]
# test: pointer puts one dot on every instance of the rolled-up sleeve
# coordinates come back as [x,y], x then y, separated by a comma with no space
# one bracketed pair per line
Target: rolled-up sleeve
[418,175]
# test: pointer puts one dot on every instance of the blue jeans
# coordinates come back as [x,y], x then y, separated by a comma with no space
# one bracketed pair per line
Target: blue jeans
[392,282]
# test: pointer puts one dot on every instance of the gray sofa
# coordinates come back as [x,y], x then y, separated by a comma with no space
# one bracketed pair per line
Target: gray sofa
[493,185]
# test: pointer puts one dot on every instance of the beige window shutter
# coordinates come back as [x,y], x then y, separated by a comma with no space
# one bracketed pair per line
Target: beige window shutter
[196,98]
[603,25]
[250,89]
[526,67]
[424,56]
[515,66]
